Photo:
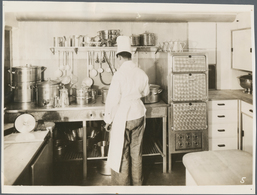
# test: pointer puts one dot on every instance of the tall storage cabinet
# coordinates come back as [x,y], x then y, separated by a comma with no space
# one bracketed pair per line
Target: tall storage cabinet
[184,78]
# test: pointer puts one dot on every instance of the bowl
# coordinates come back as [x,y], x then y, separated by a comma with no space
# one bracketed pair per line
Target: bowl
[246,83]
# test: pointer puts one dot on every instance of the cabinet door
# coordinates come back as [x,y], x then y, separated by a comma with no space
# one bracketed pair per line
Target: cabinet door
[247,130]
[242,49]
[42,168]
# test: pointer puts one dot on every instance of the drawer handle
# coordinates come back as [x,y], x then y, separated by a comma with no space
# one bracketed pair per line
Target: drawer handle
[221,116]
[221,130]
[221,145]
[221,104]
[251,110]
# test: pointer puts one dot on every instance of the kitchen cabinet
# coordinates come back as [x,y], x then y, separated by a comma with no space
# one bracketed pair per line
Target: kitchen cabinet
[223,124]
[247,127]
[241,49]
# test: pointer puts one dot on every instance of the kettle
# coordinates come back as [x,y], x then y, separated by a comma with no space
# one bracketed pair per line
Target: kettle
[64,97]
[178,46]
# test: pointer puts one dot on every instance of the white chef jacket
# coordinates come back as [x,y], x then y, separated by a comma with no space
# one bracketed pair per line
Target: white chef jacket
[129,82]
[123,103]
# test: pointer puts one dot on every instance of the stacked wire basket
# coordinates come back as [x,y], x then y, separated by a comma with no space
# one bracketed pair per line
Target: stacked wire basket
[189,92]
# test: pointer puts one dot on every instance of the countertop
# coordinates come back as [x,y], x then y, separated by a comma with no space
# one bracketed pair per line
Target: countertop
[230,95]
[20,107]
[18,155]
[16,158]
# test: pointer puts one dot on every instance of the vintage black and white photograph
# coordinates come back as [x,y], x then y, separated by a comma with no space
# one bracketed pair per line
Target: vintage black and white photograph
[126,97]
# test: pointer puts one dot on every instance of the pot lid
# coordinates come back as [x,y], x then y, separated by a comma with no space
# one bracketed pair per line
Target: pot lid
[28,66]
[25,123]
[48,82]
[249,76]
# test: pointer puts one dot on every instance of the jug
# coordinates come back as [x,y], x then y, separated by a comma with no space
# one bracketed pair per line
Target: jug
[64,97]
[178,46]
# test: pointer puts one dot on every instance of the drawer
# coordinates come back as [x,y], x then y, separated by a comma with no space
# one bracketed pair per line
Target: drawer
[226,130]
[222,116]
[247,108]
[223,144]
[222,105]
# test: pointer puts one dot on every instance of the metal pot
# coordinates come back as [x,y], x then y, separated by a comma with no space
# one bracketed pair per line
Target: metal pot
[246,83]
[135,40]
[153,95]
[24,92]
[27,73]
[147,39]
[104,92]
[46,92]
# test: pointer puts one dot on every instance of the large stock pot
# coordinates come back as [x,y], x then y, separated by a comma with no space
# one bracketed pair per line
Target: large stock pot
[27,73]
[24,92]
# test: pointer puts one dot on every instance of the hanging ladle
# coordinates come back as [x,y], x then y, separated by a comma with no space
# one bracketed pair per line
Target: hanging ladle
[108,69]
[100,69]
[103,59]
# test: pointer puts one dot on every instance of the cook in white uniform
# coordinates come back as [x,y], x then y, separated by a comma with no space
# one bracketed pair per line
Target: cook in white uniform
[125,112]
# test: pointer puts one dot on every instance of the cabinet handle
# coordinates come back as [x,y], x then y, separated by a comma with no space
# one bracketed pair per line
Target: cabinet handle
[221,130]
[221,145]
[221,116]
[250,110]
[221,104]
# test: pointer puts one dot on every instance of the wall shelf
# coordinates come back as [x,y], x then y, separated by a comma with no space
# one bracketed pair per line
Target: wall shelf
[76,49]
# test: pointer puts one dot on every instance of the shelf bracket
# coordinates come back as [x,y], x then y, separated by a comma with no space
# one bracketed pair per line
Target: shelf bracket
[76,50]
[52,50]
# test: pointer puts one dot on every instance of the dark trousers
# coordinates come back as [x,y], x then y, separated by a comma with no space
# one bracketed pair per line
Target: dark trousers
[131,164]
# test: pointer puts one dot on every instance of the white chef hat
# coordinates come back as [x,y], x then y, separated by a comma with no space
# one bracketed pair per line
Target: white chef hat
[123,44]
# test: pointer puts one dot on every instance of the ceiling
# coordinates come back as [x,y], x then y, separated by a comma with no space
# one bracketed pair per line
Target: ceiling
[120,12]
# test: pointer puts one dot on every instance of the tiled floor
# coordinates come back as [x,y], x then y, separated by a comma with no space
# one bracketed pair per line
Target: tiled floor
[152,172]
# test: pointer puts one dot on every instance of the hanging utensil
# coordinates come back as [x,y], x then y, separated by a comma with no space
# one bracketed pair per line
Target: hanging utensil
[67,67]
[113,61]
[100,69]
[103,59]
[87,82]
[108,69]
[90,66]
[93,71]
[58,73]
[74,78]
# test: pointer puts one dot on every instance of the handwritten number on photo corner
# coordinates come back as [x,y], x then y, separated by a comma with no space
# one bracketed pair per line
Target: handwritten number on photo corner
[243,180]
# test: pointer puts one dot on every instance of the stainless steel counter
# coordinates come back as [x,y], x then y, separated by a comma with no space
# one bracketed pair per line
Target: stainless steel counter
[90,112]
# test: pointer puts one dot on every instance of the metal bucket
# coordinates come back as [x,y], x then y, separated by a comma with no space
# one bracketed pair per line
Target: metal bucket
[103,168]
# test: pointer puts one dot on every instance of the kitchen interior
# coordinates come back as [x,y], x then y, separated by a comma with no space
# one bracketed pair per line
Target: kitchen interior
[59,59]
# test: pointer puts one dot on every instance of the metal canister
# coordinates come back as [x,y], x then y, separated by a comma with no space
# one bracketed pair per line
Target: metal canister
[147,39]
[46,92]
[104,92]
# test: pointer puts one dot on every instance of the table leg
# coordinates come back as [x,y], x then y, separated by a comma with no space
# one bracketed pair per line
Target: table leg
[164,134]
[170,162]
[84,149]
